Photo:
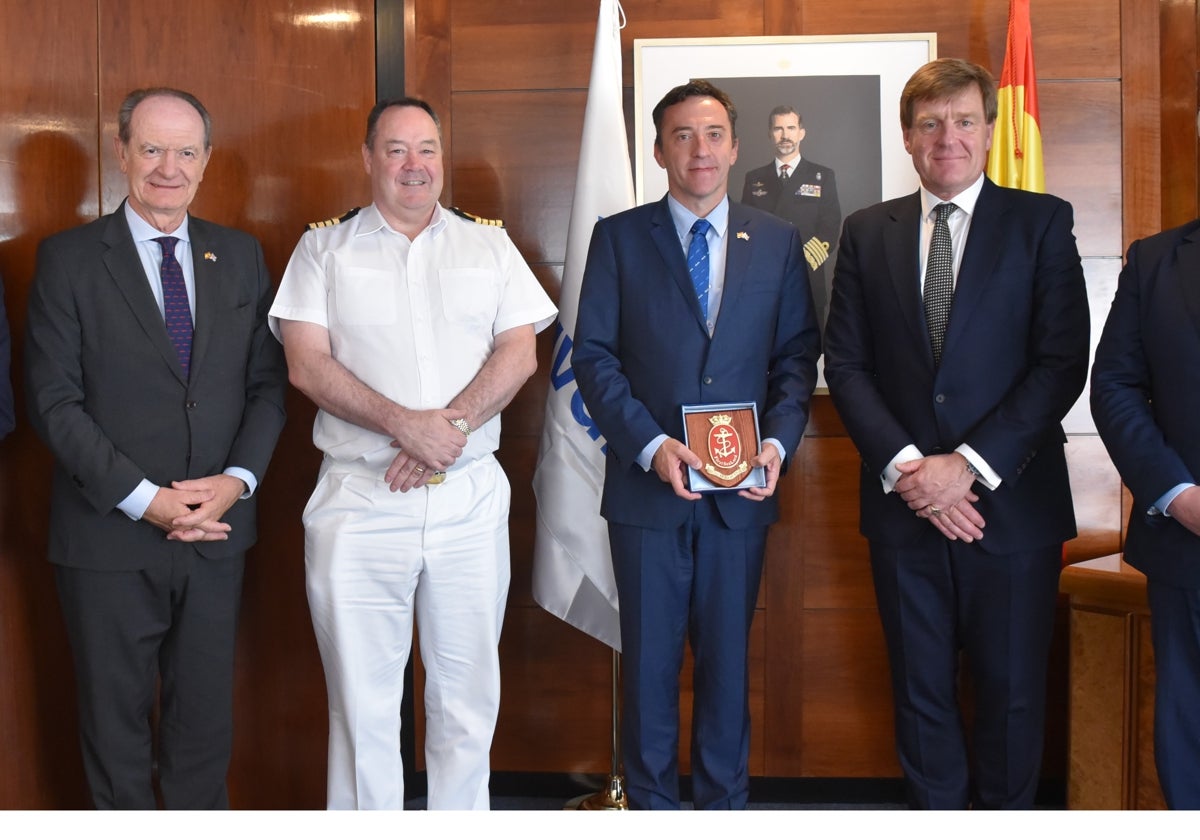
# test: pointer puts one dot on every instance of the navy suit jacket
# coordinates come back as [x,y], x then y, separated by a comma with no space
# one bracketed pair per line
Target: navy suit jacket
[819,216]
[1014,361]
[1146,395]
[642,349]
[107,394]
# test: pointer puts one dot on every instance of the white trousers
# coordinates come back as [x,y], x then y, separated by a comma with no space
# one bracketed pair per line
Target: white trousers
[375,560]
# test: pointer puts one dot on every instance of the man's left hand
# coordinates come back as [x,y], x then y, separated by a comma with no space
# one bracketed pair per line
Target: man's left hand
[937,481]
[205,520]
[769,459]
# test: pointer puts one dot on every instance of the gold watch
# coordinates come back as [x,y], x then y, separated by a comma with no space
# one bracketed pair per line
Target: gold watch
[462,425]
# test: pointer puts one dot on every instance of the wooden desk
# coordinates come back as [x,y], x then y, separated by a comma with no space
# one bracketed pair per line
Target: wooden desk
[1110,754]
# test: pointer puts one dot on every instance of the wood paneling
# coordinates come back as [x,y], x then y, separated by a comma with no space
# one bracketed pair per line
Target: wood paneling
[48,148]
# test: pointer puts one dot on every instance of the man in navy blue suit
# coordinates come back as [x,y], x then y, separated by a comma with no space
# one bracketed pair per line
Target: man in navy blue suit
[1146,401]
[957,340]
[651,338]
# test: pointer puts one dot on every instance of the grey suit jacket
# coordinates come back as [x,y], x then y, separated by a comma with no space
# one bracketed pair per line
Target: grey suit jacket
[108,396]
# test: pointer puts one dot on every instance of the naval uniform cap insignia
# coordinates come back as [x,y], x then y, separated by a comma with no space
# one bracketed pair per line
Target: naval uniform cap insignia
[349,214]
[479,220]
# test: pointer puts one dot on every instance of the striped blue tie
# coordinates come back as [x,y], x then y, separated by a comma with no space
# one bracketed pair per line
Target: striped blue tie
[697,260]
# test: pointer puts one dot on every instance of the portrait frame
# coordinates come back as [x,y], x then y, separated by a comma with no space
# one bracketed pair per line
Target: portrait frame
[662,63]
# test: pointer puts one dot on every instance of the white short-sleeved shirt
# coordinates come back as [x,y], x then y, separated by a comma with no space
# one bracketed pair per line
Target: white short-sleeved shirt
[414,320]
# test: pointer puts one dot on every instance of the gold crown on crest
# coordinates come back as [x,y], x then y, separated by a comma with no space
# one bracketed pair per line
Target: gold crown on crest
[721,419]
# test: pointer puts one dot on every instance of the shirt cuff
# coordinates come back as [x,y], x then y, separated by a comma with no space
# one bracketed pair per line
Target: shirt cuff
[778,448]
[134,505]
[646,459]
[890,474]
[987,476]
[1164,501]
[246,476]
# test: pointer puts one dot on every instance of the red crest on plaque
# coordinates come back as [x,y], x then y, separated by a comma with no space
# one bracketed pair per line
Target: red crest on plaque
[724,445]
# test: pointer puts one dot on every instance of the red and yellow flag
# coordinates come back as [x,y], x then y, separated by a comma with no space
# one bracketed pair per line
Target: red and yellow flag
[1016,156]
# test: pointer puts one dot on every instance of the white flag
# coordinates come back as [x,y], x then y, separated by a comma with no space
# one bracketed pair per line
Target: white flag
[572,567]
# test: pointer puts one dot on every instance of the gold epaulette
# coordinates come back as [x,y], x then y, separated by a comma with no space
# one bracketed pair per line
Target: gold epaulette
[349,214]
[479,220]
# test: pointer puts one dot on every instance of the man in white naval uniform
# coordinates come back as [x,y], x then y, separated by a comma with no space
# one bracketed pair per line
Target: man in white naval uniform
[411,328]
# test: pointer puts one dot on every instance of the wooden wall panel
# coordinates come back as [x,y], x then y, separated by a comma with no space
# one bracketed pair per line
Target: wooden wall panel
[547,44]
[504,168]
[1062,47]
[1081,121]
[48,148]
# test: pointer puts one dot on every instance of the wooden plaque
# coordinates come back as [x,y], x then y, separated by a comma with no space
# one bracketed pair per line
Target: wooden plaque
[725,438]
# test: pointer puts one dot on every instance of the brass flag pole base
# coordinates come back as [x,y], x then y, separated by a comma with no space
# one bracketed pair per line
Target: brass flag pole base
[612,798]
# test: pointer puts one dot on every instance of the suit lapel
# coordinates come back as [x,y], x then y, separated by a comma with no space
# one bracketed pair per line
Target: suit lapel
[129,276]
[204,269]
[901,241]
[979,259]
[662,231]
[737,257]
[1188,257]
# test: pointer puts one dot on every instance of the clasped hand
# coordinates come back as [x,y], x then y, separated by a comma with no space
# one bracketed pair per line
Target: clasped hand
[938,488]
[191,510]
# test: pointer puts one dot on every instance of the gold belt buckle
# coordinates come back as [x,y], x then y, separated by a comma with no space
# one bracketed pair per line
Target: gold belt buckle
[437,478]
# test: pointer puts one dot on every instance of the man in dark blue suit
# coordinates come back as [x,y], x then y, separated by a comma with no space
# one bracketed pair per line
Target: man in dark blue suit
[1146,401]
[957,340]
[649,340]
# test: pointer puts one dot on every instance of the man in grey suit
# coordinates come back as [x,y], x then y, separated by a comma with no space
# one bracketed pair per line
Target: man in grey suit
[157,386]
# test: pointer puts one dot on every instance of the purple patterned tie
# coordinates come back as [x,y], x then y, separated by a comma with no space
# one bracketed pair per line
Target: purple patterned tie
[176,311]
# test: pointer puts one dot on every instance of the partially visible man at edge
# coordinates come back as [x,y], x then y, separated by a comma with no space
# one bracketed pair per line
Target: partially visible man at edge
[153,378]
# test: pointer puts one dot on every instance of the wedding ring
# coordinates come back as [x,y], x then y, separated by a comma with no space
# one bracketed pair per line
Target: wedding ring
[934,511]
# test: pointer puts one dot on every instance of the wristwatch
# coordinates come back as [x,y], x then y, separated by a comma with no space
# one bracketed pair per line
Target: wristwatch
[462,425]
[972,470]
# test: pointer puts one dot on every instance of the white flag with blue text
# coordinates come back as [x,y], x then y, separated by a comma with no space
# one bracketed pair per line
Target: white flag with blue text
[572,568]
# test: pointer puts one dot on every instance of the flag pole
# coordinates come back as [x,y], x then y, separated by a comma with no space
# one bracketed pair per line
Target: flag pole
[572,566]
[612,798]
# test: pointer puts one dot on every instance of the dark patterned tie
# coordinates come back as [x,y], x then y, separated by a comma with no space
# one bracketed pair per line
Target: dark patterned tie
[176,311]
[697,259]
[783,171]
[939,280]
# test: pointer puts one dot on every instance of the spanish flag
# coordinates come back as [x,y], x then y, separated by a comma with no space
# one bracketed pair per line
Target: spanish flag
[1016,156]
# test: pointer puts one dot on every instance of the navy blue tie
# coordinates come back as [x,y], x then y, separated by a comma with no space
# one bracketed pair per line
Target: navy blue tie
[697,260]
[176,311]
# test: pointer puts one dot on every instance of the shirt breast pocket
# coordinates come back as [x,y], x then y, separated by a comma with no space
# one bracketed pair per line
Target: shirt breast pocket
[469,295]
[365,296]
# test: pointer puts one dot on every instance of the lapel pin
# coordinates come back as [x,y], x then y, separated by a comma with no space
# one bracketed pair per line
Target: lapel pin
[741,234]
[210,256]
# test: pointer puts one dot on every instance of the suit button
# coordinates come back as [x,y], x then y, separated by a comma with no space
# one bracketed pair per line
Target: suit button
[707,380]
[191,404]
[940,398]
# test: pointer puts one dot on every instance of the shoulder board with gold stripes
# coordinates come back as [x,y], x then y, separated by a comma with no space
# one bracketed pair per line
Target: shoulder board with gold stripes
[479,220]
[349,214]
